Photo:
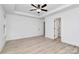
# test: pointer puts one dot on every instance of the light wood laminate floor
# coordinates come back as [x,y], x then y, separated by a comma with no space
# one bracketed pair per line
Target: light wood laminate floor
[38,45]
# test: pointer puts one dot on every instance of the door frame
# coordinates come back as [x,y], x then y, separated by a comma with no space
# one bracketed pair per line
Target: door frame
[59,29]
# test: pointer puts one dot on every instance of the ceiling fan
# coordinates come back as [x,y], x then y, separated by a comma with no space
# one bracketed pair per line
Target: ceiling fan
[39,8]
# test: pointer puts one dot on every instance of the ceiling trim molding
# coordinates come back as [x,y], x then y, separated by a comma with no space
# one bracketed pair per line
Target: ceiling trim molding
[44,15]
[26,14]
[56,10]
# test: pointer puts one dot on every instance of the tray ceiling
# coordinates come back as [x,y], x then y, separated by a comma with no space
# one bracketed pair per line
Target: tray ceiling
[24,8]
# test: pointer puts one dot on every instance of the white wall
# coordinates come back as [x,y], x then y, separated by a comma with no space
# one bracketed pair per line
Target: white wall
[49,27]
[23,27]
[2,39]
[70,25]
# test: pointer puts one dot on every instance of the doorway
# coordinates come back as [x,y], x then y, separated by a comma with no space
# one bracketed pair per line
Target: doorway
[57,28]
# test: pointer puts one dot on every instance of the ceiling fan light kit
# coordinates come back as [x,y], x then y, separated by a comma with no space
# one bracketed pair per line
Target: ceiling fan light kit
[38,10]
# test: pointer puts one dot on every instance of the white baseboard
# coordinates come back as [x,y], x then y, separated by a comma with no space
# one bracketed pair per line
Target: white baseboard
[17,38]
[49,37]
[71,43]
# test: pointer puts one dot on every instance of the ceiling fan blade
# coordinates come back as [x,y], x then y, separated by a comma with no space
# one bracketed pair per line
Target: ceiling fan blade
[33,5]
[44,10]
[38,5]
[32,9]
[43,5]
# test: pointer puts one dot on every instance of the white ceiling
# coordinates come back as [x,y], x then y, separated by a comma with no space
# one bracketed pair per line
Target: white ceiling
[26,8]
[23,9]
